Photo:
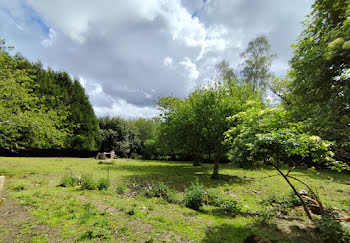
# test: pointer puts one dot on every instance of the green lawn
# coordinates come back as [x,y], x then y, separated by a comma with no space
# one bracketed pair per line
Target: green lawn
[37,210]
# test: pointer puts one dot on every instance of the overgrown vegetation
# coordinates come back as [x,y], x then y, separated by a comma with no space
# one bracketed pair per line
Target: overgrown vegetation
[242,203]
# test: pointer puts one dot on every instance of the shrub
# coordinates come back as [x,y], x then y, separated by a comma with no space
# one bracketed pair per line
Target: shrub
[194,196]
[212,197]
[69,180]
[173,197]
[87,182]
[231,205]
[158,189]
[121,189]
[332,230]
[135,156]
[102,184]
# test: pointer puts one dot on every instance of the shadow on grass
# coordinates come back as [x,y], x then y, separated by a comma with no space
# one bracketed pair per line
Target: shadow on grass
[176,175]
[233,233]
[324,175]
[226,233]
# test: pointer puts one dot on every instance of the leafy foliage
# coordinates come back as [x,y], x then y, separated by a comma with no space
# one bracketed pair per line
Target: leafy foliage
[256,63]
[320,71]
[268,137]
[158,189]
[119,136]
[332,230]
[43,109]
[63,94]
[25,121]
[193,128]
[69,180]
[87,182]
[103,184]
[121,189]
[194,196]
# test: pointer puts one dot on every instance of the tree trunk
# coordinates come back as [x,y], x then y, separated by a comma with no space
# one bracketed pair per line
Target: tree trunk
[308,214]
[320,205]
[215,174]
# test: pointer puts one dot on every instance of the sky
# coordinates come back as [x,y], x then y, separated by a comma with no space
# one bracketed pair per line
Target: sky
[126,54]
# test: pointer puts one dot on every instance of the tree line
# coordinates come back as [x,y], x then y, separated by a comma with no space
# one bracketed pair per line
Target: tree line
[42,109]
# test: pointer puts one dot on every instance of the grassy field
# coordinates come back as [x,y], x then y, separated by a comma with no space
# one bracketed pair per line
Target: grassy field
[36,209]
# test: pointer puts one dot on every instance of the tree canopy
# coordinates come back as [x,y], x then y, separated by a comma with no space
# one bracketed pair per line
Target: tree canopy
[321,73]
[43,109]
[195,126]
[25,121]
[256,63]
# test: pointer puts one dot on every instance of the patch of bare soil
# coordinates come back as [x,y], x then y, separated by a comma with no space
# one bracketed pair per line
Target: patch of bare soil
[101,206]
[17,225]
[138,226]
[300,228]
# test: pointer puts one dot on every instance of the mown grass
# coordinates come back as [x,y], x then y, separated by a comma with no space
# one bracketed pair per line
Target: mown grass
[58,213]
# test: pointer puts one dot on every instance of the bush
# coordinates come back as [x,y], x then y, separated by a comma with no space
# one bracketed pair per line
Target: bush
[121,189]
[135,156]
[212,197]
[194,196]
[87,182]
[173,197]
[231,205]
[102,184]
[158,189]
[332,230]
[69,180]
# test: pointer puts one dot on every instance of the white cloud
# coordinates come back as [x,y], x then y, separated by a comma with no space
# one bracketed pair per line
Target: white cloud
[191,68]
[49,41]
[129,111]
[131,52]
[168,62]
[192,72]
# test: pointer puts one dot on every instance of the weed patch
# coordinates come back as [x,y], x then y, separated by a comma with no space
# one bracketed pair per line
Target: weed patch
[87,182]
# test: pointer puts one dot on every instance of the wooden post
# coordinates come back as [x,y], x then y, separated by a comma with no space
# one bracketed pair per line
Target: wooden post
[2,185]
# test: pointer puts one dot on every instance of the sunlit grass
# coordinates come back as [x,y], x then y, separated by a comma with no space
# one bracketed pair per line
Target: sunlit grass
[76,214]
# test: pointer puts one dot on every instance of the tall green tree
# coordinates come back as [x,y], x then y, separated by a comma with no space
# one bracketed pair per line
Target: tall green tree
[321,73]
[64,95]
[196,125]
[256,62]
[226,74]
[119,136]
[146,128]
[25,121]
